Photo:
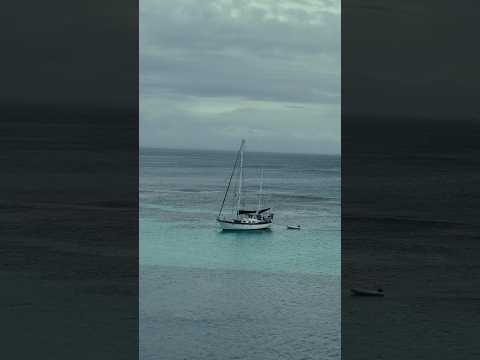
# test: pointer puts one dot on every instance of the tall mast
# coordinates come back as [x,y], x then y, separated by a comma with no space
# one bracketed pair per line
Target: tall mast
[230,181]
[240,177]
[260,193]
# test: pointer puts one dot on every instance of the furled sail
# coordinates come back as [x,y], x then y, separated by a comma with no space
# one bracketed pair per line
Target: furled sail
[247,211]
[252,211]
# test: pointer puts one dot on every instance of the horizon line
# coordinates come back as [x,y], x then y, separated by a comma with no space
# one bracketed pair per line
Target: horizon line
[226,150]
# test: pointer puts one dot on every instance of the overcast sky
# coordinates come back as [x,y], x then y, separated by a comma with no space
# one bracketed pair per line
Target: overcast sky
[215,71]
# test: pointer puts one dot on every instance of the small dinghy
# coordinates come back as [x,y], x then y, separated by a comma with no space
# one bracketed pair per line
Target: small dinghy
[293,227]
[365,292]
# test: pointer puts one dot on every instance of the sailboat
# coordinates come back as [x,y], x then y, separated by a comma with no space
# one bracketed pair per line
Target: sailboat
[244,219]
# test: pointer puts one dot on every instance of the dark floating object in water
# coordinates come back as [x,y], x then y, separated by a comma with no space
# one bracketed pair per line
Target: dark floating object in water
[365,292]
[293,227]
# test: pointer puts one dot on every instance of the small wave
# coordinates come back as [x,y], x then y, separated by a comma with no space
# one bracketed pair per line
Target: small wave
[404,220]
[180,191]
[197,191]
[111,204]
[15,206]
[304,197]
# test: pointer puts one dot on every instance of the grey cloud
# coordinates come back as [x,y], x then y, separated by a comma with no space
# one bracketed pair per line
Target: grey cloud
[205,31]
[203,52]
[309,128]
[297,80]
[260,50]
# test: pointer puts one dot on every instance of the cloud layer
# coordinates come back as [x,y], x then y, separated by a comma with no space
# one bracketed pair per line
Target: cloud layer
[212,72]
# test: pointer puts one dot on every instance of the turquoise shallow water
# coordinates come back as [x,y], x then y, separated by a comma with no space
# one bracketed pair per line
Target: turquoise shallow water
[202,245]
[192,273]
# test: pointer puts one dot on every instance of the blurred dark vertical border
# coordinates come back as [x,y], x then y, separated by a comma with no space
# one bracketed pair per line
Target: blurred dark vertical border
[69,179]
[410,179]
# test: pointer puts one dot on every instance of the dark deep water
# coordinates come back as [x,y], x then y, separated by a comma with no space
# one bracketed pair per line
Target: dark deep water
[410,210]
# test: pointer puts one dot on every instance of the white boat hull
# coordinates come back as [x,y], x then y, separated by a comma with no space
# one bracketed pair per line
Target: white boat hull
[234,226]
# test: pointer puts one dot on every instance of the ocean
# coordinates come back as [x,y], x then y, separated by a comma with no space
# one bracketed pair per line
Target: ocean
[208,294]
[410,226]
